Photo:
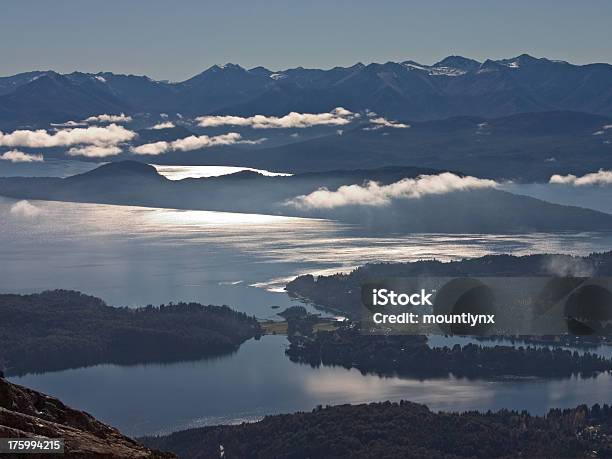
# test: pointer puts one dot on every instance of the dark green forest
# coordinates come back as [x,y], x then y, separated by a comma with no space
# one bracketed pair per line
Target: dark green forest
[342,292]
[402,430]
[63,329]
[407,355]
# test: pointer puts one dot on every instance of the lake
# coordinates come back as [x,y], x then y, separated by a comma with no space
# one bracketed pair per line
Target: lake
[259,379]
[136,256]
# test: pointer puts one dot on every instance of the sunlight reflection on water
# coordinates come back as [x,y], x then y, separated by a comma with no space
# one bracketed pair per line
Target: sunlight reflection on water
[118,249]
[183,172]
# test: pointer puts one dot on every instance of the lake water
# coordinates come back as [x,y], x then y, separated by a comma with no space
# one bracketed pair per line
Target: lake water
[259,379]
[136,256]
[131,256]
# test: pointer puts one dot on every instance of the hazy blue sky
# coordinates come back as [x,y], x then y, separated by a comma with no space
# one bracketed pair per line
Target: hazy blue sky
[174,39]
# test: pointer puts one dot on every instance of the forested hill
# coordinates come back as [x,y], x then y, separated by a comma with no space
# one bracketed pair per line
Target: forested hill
[392,430]
[342,292]
[62,329]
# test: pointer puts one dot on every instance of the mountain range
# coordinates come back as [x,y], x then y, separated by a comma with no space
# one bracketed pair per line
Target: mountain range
[455,86]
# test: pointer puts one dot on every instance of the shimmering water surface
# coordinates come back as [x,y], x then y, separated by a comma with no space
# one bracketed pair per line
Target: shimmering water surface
[136,256]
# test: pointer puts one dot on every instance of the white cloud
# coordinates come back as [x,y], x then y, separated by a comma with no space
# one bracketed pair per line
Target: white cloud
[94,135]
[163,115]
[105,118]
[600,178]
[337,117]
[16,156]
[607,126]
[381,122]
[156,148]
[164,125]
[192,143]
[95,151]
[69,124]
[374,194]
[25,210]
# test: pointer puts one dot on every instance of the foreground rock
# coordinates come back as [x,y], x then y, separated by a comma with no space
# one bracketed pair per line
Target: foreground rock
[25,413]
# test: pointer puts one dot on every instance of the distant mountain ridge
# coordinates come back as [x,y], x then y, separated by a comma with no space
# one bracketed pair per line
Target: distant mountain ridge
[474,210]
[454,86]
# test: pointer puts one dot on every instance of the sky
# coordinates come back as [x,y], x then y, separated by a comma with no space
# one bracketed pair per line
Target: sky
[177,39]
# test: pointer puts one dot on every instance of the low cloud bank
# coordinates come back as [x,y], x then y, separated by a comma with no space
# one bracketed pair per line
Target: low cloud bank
[337,117]
[380,122]
[95,135]
[164,125]
[16,156]
[105,118]
[374,194]
[600,178]
[192,143]
[23,209]
[94,141]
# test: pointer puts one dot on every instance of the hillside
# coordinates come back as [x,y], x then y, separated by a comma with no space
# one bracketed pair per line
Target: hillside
[25,413]
[342,292]
[400,430]
[524,147]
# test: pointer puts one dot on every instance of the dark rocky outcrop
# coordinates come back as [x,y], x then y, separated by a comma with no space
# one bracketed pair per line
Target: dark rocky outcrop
[25,413]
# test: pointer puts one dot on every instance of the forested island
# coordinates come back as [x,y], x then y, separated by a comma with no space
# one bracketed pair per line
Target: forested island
[342,292]
[400,430]
[61,329]
[405,355]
